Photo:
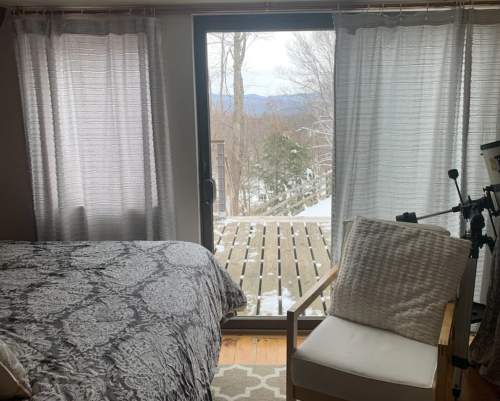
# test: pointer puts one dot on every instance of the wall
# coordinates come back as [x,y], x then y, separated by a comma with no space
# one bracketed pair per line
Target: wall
[16,211]
[179,74]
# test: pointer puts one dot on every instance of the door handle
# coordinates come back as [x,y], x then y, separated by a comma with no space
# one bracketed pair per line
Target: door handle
[209,191]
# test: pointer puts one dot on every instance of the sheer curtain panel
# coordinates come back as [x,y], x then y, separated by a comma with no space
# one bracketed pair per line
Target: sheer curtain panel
[398,125]
[96,126]
[483,64]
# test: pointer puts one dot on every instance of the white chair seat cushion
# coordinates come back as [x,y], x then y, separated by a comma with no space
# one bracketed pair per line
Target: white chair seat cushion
[355,362]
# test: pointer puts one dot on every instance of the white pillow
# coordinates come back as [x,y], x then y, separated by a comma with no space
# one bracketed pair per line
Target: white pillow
[13,381]
[398,277]
[347,225]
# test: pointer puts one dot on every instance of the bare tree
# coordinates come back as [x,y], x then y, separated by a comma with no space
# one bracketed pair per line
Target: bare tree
[232,50]
[312,55]
[218,64]
[244,133]
[238,52]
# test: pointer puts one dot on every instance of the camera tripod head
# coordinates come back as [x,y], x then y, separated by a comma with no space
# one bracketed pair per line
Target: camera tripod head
[470,210]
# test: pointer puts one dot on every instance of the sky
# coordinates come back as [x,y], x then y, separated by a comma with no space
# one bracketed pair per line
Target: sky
[261,61]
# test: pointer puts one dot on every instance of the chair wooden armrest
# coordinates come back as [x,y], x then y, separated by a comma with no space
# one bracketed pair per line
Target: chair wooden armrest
[445,336]
[315,291]
[293,315]
[444,348]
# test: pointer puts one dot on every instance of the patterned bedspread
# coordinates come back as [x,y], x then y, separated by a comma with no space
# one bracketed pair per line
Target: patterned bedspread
[115,320]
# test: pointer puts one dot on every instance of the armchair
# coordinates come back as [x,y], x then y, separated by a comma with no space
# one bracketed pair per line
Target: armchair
[347,361]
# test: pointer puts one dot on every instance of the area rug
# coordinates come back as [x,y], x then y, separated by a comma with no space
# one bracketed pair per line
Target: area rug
[249,382]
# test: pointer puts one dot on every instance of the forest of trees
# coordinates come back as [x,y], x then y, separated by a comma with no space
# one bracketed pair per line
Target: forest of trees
[290,141]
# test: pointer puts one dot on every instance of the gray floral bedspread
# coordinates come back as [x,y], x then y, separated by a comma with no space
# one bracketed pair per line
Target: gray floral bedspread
[115,320]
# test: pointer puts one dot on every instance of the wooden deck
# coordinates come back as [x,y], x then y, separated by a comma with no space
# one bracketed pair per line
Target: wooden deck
[275,260]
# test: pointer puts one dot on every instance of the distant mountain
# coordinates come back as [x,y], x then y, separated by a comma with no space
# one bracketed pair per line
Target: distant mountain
[257,105]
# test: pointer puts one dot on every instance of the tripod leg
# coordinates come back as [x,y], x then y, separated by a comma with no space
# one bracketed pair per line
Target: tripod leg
[457,383]
[460,358]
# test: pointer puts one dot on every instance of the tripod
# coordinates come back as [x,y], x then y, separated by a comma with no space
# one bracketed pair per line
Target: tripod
[460,358]
[472,212]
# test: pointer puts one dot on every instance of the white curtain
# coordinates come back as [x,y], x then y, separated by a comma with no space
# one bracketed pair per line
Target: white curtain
[417,93]
[483,62]
[398,124]
[96,126]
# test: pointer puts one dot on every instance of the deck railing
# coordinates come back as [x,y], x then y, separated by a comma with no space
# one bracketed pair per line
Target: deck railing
[293,200]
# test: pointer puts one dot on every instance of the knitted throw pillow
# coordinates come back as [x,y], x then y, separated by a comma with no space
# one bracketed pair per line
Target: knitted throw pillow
[398,278]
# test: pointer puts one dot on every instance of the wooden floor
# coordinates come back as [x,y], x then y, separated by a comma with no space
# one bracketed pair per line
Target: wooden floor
[275,260]
[271,350]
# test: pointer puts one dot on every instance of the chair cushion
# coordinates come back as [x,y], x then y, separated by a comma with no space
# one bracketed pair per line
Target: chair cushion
[354,362]
[398,278]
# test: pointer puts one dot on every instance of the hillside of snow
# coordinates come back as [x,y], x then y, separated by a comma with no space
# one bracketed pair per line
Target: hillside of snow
[321,209]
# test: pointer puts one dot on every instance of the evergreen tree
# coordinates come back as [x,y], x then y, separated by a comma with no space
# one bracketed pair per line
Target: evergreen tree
[285,162]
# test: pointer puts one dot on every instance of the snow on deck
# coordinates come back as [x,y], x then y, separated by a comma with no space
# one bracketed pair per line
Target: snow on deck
[275,260]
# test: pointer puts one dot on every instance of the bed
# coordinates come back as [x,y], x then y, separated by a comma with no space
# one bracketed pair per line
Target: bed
[115,320]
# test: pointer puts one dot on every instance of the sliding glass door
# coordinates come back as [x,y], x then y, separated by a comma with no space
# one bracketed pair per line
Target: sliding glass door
[264,88]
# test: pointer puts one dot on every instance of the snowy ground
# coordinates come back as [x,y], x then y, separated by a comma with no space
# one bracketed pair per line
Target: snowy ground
[321,209]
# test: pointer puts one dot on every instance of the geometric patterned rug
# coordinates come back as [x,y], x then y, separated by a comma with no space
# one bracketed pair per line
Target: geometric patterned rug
[249,382]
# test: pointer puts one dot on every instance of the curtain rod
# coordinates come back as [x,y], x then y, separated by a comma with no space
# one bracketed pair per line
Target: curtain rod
[254,8]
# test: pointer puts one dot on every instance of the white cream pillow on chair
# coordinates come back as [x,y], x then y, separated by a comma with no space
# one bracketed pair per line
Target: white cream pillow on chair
[13,381]
[347,225]
[398,278]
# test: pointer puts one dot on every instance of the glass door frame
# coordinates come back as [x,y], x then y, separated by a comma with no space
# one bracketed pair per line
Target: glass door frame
[262,22]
